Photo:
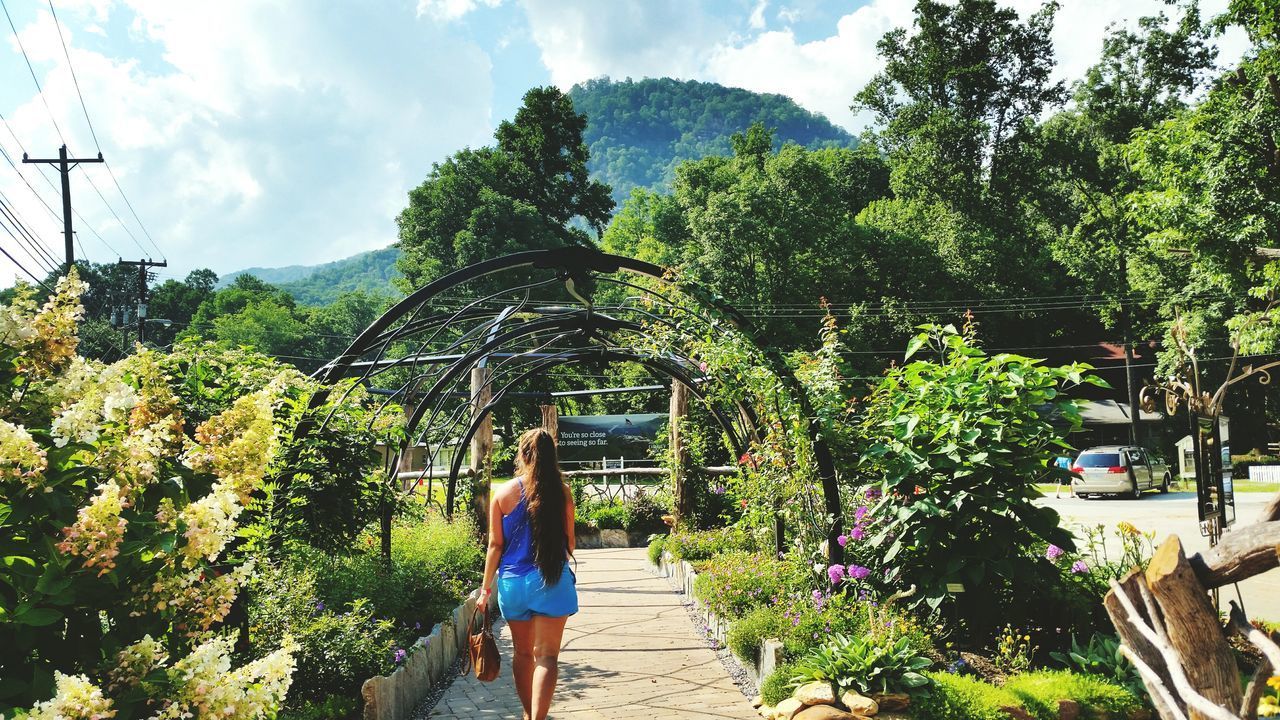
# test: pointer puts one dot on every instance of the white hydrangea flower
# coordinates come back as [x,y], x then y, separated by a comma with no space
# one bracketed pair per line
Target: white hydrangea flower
[210,523]
[75,698]
[20,457]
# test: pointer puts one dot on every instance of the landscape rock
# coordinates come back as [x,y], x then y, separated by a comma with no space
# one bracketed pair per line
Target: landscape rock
[815,693]
[766,711]
[787,709]
[891,702]
[825,712]
[860,705]
[1017,713]
[892,716]
[757,701]
[1068,710]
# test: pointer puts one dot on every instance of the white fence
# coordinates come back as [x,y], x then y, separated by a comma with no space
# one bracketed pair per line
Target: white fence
[1265,473]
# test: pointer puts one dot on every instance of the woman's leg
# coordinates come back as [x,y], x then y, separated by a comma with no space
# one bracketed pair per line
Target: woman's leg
[522,663]
[547,634]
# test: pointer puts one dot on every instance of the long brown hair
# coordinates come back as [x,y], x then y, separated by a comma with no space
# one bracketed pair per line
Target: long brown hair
[544,501]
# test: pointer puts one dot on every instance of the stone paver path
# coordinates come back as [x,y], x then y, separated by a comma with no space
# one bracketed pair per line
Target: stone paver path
[630,652]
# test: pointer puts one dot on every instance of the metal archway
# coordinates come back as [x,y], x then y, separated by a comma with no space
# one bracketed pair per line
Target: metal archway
[519,316]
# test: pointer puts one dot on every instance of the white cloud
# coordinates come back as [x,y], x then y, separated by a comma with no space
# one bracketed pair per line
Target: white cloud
[581,40]
[262,134]
[449,10]
[584,39]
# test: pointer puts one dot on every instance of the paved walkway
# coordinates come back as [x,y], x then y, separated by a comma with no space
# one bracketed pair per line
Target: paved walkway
[631,652]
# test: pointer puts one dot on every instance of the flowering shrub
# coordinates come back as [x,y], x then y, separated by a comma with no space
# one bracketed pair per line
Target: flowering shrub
[734,583]
[705,544]
[120,615]
[956,444]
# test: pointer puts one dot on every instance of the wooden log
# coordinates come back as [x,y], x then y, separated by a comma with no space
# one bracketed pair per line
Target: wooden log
[1140,646]
[551,420]
[481,447]
[1193,628]
[1272,511]
[1241,553]
[679,452]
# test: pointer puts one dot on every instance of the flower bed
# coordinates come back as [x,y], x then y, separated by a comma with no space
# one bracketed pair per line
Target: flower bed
[846,650]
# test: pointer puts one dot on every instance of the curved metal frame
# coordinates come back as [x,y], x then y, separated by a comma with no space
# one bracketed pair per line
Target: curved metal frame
[481,334]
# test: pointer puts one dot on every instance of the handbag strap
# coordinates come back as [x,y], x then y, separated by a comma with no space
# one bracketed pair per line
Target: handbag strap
[486,628]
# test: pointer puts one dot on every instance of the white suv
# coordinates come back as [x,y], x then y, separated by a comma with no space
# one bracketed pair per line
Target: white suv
[1124,470]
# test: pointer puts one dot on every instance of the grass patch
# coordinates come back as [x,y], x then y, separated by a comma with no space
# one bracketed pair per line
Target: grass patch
[959,697]
[1039,692]
[777,687]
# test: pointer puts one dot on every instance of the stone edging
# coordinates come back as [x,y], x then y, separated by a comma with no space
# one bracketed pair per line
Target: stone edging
[768,656]
[430,662]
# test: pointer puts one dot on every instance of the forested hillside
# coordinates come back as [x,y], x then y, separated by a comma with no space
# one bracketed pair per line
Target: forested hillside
[638,131]
[372,272]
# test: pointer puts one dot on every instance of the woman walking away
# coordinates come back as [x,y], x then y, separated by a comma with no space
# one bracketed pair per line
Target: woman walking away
[530,544]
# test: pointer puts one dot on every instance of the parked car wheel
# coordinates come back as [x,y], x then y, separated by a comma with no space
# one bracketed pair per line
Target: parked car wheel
[1168,480]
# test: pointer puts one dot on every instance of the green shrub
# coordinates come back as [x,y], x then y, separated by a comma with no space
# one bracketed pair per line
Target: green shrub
[777,687]
[331,708]
[609,517]
[811,624]
[734,583]
[747,633]
[655,549]
[865,664]
[643,514]
[338,648]
[1101,657]
[1039,692]
[705,544]
[959,697]
[434,565]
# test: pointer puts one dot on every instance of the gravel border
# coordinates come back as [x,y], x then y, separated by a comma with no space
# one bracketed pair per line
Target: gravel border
[727,659]
[423,711]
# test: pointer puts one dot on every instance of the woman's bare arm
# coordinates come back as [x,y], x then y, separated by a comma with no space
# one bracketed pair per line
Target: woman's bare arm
[494,554]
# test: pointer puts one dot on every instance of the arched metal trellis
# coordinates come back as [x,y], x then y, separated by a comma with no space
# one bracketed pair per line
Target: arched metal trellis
[521,316]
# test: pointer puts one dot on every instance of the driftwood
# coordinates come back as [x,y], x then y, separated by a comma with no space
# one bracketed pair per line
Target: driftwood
[1172,633]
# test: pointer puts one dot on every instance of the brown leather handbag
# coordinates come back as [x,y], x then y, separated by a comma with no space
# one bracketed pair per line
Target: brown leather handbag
[483,654]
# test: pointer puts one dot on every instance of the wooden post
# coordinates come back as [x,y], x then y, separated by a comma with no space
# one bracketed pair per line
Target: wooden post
[481,447]
[1194,630]
[679,452]
[1133,638]
[551,420]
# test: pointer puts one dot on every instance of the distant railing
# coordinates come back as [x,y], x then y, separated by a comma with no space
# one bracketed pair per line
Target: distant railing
[1264,473]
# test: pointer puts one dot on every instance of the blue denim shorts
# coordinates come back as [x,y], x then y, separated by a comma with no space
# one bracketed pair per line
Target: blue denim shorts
[521,597]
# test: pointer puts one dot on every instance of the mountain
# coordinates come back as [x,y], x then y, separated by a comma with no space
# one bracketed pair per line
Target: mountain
[372,272]
[638,131]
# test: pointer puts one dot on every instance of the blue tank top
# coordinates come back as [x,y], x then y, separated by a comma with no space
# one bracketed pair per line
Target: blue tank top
[517,541]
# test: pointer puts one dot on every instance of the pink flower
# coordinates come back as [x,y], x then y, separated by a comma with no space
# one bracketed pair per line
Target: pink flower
[858,532]
[860,513]
[836,574]
[1053,553]
[857,572]
[843,540]
[1079,567]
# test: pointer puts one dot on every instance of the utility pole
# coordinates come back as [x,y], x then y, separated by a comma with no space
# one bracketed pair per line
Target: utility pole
[64,165]
[143,266]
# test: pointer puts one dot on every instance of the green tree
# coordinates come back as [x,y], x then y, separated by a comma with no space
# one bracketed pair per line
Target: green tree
[958,99]
[522,194]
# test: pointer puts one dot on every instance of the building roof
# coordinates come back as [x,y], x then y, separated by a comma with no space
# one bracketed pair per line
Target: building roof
[1110,412]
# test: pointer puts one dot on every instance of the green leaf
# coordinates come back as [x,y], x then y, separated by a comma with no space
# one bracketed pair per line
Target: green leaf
[915,344]
[38,617]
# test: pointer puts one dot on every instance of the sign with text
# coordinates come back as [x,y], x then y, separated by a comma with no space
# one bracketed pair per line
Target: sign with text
[596,437]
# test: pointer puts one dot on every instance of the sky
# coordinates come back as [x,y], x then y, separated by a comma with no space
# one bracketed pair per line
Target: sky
[255,133]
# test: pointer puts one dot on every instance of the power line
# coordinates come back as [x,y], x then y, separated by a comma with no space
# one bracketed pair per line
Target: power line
[41,255]
[30,69]
[98,146]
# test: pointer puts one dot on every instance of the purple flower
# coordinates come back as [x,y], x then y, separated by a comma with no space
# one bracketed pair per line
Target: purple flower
[843,540]
[873,493]
[1053,553]
[836,573]
[1079,567]
[858,532]
[400,655]
[718,489]
[860,513]
[857,572]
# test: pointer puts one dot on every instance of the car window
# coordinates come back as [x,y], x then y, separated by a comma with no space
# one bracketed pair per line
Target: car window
[1096,460]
